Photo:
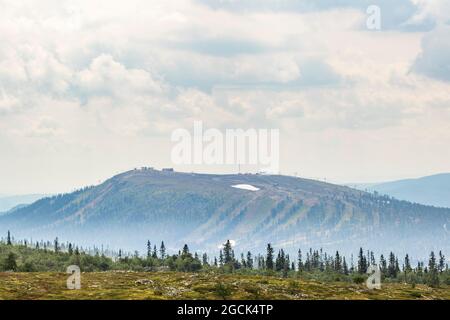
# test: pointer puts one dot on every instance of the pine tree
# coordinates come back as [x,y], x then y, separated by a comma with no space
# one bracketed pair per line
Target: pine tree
[56,245]
[70,250]
[8,239]
[383,264]
[149,249]
[433,278]
[249,260]
[228,252]
[162,251]
[407,266]
[269,257]
[300,261]
[10,262]
[441,262]
[344,266]
[205,260]
[337,263]
[243,261]
[362,262]
[185,253]
[221,260]
[392,267]
[155,253]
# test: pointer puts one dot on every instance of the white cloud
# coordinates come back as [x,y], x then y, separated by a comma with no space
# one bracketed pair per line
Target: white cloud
[98,85]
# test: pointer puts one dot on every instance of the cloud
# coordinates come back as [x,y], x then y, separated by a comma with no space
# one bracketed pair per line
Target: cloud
[434,60]
[106,77]
[395,14]
[98,85]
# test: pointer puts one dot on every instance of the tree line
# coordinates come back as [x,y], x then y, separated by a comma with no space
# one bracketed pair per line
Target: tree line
[28,256]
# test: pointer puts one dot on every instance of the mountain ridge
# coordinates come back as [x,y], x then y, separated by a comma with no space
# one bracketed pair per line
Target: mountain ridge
[205,209]
[429,190]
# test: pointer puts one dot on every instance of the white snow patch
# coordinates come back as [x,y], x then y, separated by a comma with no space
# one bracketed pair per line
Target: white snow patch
[245,187]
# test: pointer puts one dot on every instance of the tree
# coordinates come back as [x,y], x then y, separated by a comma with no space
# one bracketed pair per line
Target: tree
[269,257]
[344,266]
[383,264]
[362,262]
[228,252]
[185,253]
[205,260]
[432,277]
[8,239]
[221,258]
[149,249]
[56,245]
[392,267]
[441,262]
[70,250]
[300,261]
[407,266]
[10,263]
[249,260]
[155,252]
[337,263]
[162,251]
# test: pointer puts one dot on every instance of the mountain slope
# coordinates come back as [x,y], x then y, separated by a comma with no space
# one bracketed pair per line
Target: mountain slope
[11,202]
[204,210]
[432,190]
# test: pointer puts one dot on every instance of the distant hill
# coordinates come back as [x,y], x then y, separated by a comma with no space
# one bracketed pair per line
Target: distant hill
[10,202]
[432,190]
[204,210]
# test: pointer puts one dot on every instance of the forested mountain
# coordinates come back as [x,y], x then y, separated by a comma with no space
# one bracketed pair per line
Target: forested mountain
[253,210]
[432,190]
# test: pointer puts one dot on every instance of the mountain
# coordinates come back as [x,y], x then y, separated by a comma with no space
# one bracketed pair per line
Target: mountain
[11,202]
[204,210]
[432,190]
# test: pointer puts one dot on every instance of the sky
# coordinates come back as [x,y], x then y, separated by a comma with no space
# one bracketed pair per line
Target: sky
[89,89]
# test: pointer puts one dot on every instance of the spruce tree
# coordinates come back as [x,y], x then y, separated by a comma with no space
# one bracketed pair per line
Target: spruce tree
[433,279]
[221,260]
[8,239]
[56,245]
[337,263]
[362,262]
[249,260]
[228,252]
[441,267]
[300,261]
[269,257]
[407,265]
[205,260]
[155,253]
[162,251]
[10,262]
[149,249]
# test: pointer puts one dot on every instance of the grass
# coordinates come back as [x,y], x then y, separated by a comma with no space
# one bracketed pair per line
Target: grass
[191,286]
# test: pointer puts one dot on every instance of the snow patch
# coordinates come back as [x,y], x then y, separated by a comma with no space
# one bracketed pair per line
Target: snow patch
[245,187]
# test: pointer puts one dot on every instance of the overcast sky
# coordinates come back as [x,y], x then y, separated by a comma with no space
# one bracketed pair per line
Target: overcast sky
[90,88]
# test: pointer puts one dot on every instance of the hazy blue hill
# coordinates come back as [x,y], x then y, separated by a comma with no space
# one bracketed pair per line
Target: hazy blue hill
[11,202]
[205,210]
[432,190]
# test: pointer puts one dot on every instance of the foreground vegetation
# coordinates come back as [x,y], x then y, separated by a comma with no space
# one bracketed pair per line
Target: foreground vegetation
[178,285]
[37,271]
